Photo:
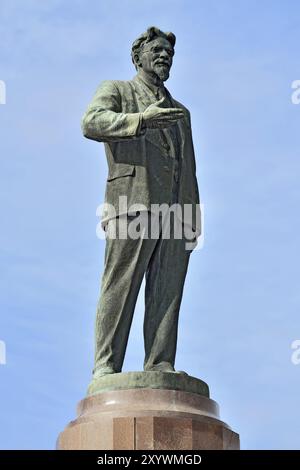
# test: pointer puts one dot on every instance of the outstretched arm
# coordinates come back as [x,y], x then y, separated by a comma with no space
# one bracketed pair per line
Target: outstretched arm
[104,121]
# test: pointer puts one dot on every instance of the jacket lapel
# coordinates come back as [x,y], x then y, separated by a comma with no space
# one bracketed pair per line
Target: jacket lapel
[143,93]
[180,124]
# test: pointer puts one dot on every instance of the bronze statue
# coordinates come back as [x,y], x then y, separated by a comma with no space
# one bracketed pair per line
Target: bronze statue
[149,150]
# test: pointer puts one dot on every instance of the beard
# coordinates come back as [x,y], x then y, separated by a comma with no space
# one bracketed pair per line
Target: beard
[162,71]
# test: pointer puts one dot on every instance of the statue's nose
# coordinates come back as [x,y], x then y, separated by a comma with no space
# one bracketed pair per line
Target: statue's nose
[164,54]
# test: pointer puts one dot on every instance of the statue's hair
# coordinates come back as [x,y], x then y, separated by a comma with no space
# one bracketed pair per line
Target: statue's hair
[148,36]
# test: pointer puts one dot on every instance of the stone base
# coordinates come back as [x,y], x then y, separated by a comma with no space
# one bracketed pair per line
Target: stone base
[148,419]
[163,380]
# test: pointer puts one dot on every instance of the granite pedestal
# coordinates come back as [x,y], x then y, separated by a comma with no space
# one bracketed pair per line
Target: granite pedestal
[148,411]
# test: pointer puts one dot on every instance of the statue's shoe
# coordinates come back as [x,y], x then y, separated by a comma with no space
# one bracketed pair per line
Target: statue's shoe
[103,371]
[181,372]
[164,367]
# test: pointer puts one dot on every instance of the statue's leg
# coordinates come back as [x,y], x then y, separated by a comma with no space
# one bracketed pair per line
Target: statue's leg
[125,264]
[165,278]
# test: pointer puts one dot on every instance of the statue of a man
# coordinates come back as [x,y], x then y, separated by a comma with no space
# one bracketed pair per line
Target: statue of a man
[149,150]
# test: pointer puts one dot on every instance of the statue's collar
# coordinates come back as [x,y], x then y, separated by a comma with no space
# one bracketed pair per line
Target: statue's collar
[156,89]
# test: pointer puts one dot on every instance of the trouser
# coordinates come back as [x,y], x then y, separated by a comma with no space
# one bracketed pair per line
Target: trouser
[164,263]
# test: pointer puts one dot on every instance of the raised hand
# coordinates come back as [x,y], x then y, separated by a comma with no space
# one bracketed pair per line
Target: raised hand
[158,117]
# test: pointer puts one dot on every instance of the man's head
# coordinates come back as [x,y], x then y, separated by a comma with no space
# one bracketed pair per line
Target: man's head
[153,52]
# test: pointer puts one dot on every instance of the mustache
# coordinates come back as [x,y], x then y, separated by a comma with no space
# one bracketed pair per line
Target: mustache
[162,62]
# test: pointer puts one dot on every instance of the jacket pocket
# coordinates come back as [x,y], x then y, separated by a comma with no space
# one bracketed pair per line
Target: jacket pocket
[120,170]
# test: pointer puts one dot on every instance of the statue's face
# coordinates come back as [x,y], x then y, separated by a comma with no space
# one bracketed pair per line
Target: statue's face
[157,57]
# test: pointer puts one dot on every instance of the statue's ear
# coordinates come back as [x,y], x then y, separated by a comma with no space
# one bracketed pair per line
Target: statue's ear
[137,60]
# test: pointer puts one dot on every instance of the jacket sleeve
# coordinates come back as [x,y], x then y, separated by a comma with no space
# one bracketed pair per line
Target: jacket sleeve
[104,120]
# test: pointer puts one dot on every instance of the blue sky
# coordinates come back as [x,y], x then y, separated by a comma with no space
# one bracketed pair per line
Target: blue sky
[233,68]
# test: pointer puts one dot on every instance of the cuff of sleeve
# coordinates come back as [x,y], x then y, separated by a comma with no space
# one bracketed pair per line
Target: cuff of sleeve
[140,131]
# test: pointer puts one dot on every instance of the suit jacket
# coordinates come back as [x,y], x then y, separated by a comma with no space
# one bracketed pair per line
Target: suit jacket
[140,162]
